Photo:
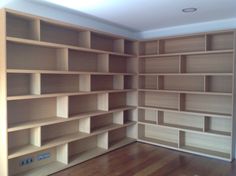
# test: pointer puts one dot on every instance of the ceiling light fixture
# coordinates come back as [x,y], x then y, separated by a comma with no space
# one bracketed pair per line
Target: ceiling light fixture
[189,10]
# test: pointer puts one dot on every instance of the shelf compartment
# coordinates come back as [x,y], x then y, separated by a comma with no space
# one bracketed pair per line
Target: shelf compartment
[147,116]
[130,116]
[54,132]
[122,99]
[39,166]
[182,121]
[159,100]
[149,47]
[20,26]
[23,111]
[209,63]
[51,83]
[106,82]
[82,104]
[220,41]
[87,148]
[106,121]
[106,43]
[159,65]
[130,82]
[148,82]
[23,84]
[33,57]
[59,34]
[131,47]
[19,140]
[205,144]
[87,61]
[183,83]
[183,44]
[215,125]
[158,135]
[218,84]
[207,103]
[120,64]
[121,135]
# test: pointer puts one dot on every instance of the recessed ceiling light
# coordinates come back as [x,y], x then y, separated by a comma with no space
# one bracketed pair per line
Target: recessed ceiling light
[189,10]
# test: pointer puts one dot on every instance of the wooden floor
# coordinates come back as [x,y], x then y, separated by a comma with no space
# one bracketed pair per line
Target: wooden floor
[141,159]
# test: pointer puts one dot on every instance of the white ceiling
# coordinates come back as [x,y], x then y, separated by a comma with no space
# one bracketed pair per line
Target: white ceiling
[144,15]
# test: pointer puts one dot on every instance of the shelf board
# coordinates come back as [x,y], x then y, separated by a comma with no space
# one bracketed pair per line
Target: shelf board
[35,123]
[66,72]
[148,122]
[198,113]
[188,53]
[86,155]
[55,45]
[121,143]
[158,142]
[205,152]
[185,74]
[111,127]
[186,92]
[22,150]
[49,95]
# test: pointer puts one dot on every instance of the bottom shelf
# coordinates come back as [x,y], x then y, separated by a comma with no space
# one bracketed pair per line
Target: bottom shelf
[213,146]
[158,142]
[210,153]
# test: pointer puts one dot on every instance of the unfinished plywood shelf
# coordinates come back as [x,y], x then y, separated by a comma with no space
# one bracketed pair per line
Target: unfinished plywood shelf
[186,92]
[60,82]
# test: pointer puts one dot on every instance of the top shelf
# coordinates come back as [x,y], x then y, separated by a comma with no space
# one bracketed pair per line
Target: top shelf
[187,53]
[221,42]
[37,29]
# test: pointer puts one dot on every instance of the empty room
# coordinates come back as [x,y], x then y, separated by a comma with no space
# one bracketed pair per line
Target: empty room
[118,87]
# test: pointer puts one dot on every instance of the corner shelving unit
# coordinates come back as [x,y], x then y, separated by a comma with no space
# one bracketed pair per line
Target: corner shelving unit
[68,94]
[186,93]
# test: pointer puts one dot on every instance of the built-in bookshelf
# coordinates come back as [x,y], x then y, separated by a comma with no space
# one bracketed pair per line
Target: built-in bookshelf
[68,94]
[186,93]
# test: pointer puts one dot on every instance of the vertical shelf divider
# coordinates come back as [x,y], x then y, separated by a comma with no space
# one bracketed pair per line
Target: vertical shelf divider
[182,64]
[85,125]
[35,136]
[35,83]
[85,39]
[181,105]
[62,153]
[85,82]
[102,141]
[35,26]
[119,45]
[63,106]
[160,82]
[160,117]
[118,117]
[63,59]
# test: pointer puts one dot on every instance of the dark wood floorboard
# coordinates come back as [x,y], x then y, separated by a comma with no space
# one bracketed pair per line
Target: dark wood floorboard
[140,159]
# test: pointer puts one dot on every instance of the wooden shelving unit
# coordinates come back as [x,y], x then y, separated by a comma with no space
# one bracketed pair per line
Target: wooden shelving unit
[68,94]
[186,93]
